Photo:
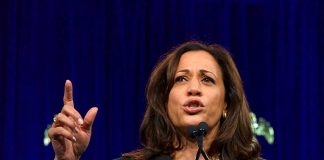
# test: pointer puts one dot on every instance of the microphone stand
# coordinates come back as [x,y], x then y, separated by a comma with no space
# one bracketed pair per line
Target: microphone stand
[200,148]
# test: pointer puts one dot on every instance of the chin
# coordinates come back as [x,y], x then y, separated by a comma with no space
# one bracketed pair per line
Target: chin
[192,120]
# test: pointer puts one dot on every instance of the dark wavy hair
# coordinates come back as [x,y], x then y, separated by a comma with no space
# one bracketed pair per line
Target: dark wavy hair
[234,139]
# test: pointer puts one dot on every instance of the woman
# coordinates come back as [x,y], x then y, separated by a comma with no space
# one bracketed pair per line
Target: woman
[193,83]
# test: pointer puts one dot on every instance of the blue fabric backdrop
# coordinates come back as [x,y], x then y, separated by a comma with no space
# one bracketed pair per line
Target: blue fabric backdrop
[109,47]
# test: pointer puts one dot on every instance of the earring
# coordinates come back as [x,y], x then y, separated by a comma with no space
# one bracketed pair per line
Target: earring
[224,114]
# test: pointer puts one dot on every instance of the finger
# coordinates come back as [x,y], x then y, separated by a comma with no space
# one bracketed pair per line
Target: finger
[89,119]
[54,133]
[72,112]
[65,121]
[68,93]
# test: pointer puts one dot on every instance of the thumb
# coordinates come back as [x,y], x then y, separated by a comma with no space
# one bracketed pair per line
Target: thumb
[89,118]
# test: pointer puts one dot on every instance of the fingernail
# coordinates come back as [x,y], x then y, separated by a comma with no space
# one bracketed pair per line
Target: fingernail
[74,139]
[76,129]
[80,121]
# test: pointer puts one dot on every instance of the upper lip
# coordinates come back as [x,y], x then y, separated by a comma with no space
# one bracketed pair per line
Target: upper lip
[194,101]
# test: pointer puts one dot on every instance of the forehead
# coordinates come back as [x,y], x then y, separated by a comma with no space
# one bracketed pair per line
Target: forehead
[198,60]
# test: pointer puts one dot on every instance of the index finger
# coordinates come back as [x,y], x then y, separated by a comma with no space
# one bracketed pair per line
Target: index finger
[68,93]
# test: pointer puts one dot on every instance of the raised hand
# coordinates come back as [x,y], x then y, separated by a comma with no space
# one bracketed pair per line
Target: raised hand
[70,134]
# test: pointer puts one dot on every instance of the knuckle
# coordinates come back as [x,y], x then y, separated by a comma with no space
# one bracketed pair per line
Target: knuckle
[60,130]
[59,117]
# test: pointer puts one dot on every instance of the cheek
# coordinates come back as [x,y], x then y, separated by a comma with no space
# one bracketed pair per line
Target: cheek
[174,97]
[217,102]
[215,108]
[173,104]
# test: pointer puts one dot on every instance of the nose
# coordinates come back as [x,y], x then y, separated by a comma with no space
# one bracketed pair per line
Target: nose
[194,88]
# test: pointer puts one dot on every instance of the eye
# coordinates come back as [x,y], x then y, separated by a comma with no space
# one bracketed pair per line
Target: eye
[207,79]
[180,79]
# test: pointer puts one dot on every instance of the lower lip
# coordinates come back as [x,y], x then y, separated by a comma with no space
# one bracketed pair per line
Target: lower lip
[192,110]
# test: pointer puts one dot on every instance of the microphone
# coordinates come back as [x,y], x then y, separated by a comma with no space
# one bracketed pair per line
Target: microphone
[203,128]
[198,132]
[193,132]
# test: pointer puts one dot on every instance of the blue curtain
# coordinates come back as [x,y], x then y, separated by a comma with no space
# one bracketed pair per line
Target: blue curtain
[109,47]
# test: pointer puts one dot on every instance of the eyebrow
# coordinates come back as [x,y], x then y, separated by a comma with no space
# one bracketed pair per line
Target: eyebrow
[203,71]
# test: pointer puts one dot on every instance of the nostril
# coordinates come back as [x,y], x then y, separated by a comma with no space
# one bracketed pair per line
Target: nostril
[193,92]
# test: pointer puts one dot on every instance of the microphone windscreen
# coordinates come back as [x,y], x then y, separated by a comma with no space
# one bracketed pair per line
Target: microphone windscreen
[203,127]
[192,131]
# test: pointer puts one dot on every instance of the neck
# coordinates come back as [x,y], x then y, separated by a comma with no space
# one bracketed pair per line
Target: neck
[190,147]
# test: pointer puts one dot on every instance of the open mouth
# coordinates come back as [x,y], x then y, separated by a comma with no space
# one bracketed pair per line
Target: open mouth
[193,107]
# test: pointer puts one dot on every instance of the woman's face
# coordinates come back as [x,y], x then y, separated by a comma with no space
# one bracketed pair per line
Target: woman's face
[198,91]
